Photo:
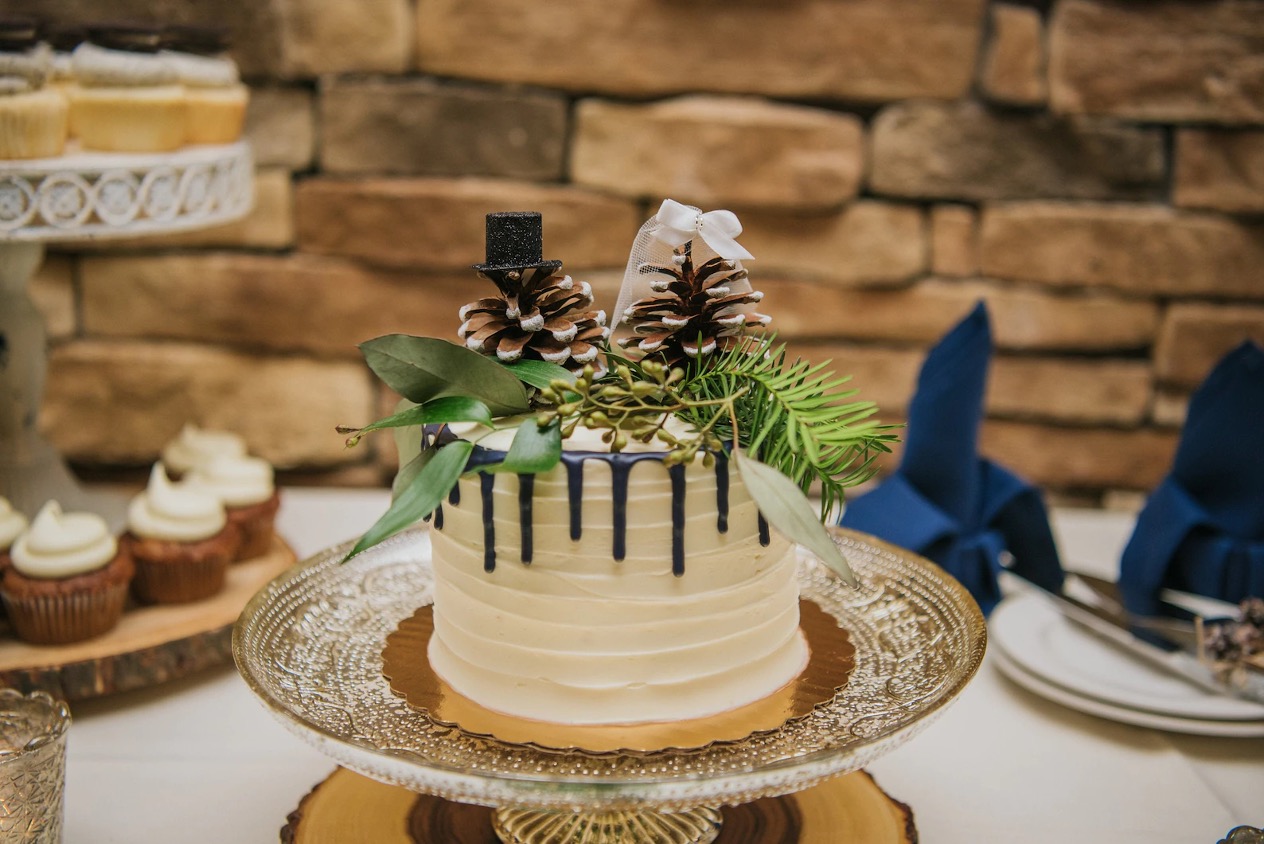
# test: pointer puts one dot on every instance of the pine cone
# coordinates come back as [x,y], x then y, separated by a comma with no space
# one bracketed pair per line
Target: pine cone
[538,316]
[699,316]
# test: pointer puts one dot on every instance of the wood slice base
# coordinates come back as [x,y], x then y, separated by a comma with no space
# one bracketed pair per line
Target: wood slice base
[150,645]
[347,808]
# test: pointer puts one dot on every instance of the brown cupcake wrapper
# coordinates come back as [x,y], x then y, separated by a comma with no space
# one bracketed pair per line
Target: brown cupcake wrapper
[60,619]
[179,581]
[256,539]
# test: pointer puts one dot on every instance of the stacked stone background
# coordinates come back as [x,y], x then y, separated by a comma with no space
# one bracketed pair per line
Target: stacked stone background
[1094,169]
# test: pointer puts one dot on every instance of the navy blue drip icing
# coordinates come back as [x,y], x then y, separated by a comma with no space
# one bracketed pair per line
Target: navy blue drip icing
[438,518]
[487,482]
[677,473]
[764,538]
[526,493]
[454,496]
[620,467]
[575,495]
[722,493]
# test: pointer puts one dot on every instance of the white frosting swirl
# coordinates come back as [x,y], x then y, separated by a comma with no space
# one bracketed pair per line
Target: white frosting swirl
[175,512]
[202,71]
[193,447]
[236,481]
[63,544]
[101,67]
[62,68]
[25,71]
[12,523]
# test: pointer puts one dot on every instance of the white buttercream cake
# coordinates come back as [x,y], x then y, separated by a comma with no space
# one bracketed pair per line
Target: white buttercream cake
[679,603]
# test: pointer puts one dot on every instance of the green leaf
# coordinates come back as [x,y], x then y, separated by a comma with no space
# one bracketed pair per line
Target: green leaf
[539,373]
[533,450]
[424,368]
[789,511]
[408,471]
[434,412]
[423,494]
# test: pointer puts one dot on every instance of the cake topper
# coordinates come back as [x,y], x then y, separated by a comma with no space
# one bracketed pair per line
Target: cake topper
[538,315]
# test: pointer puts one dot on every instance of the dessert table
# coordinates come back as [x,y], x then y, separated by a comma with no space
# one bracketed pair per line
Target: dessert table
[201,760]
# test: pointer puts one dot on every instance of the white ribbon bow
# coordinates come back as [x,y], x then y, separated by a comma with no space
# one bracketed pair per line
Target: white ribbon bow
[679,223]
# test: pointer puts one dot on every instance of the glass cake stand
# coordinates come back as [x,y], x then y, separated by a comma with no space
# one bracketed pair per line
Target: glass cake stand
[310,647]
[74,198]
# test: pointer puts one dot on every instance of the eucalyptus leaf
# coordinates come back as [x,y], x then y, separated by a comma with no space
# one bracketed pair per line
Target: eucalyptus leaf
[533,450]
[424,368]
[435,412]
[788,510]
[421,496]
[539,373]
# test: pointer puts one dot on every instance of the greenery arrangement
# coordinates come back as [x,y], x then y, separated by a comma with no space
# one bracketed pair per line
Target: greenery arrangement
[789,426]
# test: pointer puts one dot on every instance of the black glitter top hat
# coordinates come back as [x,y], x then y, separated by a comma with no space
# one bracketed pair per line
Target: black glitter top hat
[515,242]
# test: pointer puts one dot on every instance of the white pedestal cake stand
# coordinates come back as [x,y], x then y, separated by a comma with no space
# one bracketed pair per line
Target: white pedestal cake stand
[71,199]
[310,647]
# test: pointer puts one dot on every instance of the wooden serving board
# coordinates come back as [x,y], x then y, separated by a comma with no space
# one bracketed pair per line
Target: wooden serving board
[347,808]
[150,645]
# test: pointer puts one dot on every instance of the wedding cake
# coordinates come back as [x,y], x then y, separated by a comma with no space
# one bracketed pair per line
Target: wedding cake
[616,527]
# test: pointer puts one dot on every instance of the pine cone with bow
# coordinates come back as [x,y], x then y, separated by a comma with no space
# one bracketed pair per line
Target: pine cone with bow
[700,313]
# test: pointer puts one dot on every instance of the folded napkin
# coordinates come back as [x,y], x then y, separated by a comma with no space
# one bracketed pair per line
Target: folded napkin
[1202,530]
[947,503]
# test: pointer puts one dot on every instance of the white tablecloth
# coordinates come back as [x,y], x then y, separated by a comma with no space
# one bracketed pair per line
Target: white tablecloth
[200,761]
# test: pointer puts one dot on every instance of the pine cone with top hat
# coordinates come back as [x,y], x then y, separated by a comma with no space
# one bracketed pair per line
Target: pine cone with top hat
[539,314]
[699,314]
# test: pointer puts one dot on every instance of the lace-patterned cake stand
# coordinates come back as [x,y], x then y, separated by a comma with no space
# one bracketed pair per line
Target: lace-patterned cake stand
[71,199]
[310,647]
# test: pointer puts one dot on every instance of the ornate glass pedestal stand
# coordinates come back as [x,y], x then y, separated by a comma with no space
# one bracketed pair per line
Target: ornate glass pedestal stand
[310,646]
[70,199]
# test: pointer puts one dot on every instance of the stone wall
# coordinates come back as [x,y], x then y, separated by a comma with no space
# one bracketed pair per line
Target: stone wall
[1094,169]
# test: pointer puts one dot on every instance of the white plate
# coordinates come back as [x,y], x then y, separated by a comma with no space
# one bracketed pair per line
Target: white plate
[1122,714]
[1031,634]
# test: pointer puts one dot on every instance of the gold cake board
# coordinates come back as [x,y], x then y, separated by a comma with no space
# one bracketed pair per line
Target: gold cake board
[347,808]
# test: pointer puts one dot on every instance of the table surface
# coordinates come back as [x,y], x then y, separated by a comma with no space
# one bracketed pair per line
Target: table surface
[201,760]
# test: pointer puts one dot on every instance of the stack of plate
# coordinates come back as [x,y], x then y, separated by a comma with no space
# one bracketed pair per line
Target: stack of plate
[1040,650]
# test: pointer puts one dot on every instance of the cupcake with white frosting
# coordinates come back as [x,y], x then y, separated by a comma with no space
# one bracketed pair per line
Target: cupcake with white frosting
[63,39]
[127,97]
[195,446]
[246,488]
[32,116]
[181,540]
[12,525]
[214,97]
[68,578]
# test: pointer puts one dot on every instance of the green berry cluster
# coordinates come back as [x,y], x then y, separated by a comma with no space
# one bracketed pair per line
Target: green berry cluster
[628,405]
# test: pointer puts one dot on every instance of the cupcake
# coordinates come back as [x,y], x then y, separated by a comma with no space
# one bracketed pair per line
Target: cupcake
[61,76]
[194,446]
[32,116]
[12,524]
[127,98]
[181,541]
[215,100]
[244,485]
[68,578]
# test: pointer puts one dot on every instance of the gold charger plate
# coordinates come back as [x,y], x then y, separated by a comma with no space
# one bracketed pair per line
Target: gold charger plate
[310,647]
[830,659]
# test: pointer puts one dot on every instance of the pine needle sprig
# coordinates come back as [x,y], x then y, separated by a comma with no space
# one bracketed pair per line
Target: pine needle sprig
[797,417]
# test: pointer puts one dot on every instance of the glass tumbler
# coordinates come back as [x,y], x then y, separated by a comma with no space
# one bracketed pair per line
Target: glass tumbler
[32,767]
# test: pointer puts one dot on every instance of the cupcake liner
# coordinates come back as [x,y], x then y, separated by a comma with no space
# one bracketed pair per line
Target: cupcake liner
[69,617]
[180,581]
[214,116]
[126,120]
[32,125]
[256,538]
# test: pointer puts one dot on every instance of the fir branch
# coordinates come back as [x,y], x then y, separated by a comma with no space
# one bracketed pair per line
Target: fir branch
[796,417]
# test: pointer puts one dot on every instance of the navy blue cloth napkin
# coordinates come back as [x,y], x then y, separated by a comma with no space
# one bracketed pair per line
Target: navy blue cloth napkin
[1202,530]
[946,502]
